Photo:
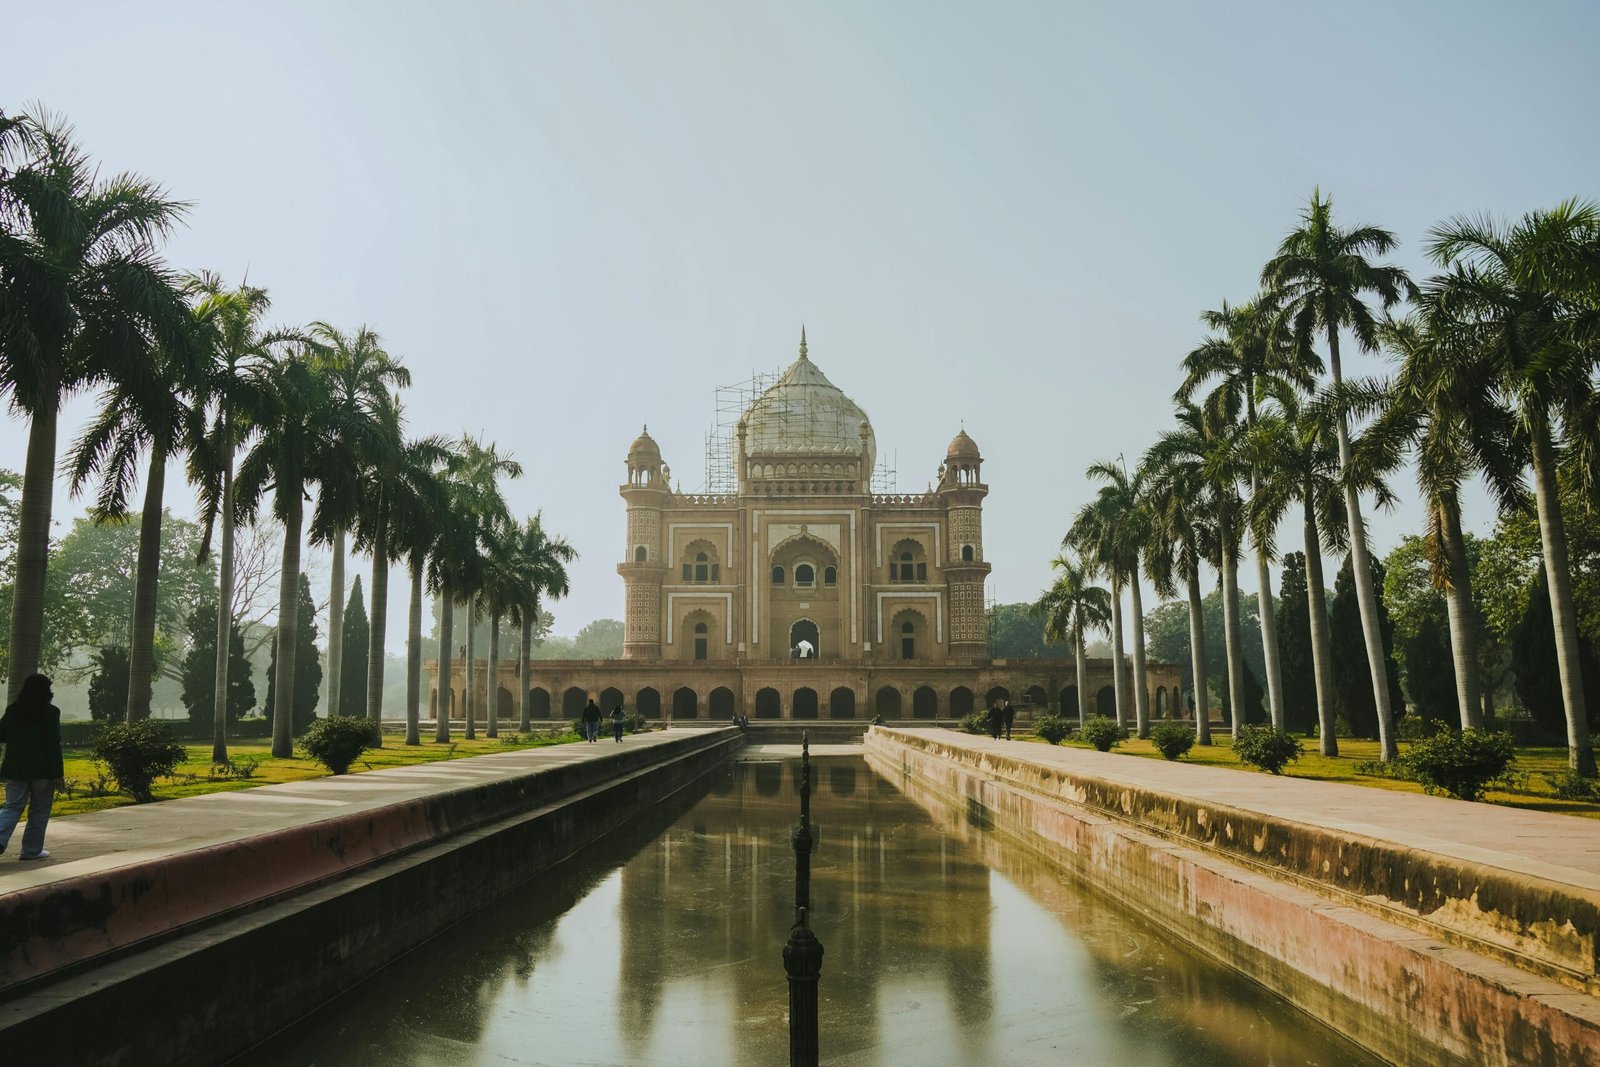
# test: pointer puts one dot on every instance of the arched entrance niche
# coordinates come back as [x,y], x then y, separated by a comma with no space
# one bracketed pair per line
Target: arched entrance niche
[722,703]
[842,703]
[998,695]
[572,702]
[538,703]
[1037,697]
[1069,700]
[610,697]
[1161,702]
[1105,702]
[505,703]
[647,702]
[685,704]
[888,702]
[805,704]
[960,702]
[768,704]
[925,703]
[805,630]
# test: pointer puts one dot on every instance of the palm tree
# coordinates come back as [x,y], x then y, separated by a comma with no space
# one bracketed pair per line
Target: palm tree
[419,497]
[1248,350]
[505,586]
[360,374]
[1318,281]
[235,394]
[1112,530]
[543,561]
[1525,299]
[293,442]
[83,299]
[1071,608]
[1181,538]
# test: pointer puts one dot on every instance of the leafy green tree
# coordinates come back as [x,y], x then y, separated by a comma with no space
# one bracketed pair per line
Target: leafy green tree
[84,299]
[108,686]
[1170,638]
[1015,632]
[1533,661]
[600,639]
[200,672]
[307,677]
[1430,671]
[352,683]
[1294,647]
[1350,654]
[1409,594]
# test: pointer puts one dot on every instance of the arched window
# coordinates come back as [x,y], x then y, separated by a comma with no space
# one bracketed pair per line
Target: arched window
[830,576]
[908,569]
[777,576]
[966,553]
[908,563]
[701,640]
[700,564]
[805,575]
[640,554]
[908,640]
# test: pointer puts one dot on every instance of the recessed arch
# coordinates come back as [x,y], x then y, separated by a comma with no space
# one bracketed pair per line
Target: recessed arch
[925,703]
[640,554]
[505,703]
[769,705]
[538,703]
[1161,702]
[685,703]
[647,702]
[998,695]
[887,702]
[572,701]
[610,697]
[804,705]
[842,703]
[960,702]
[721,704]
[1105,702]
[1069,700]
[1037,696]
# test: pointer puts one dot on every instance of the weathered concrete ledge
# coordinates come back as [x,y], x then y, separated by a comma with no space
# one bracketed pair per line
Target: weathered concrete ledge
[1252,890]
[248,935]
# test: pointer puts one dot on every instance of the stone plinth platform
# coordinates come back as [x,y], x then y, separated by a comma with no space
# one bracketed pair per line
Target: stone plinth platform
[1432,931]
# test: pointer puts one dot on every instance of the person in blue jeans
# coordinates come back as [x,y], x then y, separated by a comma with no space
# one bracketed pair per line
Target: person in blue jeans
[618,720]
[32,767]
[591,721]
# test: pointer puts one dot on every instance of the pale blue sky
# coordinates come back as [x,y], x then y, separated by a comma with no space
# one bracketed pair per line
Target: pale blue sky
[570,219]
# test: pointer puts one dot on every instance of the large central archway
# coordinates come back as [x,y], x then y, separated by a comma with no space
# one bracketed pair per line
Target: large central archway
[805,630]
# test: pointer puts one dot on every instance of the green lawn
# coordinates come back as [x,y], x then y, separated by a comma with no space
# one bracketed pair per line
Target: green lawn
[194,776]
[1532,790]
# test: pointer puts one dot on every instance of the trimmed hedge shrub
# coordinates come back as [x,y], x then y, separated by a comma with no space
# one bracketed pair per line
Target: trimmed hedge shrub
[336,742]
[1265,747]
[1102,733]
[137,753]
[976,722]
[1460,764]
[1052,728]
[1172,739]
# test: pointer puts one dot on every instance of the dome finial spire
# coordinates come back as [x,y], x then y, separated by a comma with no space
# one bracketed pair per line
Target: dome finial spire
[802,340]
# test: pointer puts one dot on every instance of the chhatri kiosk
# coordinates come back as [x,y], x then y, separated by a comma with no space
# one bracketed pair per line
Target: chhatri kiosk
[803,594]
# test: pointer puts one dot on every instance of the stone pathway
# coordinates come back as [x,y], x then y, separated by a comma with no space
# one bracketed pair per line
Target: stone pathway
[1561,848]
[105,840]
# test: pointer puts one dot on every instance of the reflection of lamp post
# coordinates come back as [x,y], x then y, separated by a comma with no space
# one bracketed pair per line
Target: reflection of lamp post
[802,956]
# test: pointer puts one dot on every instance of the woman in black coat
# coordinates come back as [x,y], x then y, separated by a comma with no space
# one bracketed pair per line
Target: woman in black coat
[31,732]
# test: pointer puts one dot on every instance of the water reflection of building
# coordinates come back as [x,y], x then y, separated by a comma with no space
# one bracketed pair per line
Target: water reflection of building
[887,588]
[712,900]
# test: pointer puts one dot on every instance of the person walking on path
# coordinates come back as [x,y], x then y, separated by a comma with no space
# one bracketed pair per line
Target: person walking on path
[1011,717]
[997,721]
[617,721]
[32,768]
[591,721]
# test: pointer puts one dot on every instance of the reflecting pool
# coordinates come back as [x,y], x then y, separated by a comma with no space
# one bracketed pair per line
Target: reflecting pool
[945,944]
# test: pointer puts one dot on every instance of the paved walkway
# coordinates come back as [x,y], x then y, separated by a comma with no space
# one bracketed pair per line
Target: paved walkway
[1561,848]
[105,840]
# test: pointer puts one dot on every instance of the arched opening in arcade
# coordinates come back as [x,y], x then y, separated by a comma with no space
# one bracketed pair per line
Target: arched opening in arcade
[572,702]
[1105,702]
[960,702]
[842,703]
[998,695]
[685,703]
[768,704]
[805,704]
[1038,698]
[1162,703]
[647,702]
[1069,700]
[721,703]
[925,703]
[538,703]
[887,703]
[610,697]
[805,640]
[505,703]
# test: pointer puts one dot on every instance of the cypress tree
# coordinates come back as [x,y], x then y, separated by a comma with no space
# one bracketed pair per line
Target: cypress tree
[307,668]
[352,680]
[1533,661]
[1294,648]
[108,688]
[199,671]
[1431,673]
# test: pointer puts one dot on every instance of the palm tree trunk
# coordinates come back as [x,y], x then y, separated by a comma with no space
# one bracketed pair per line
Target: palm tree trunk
[1234,711]
[1553,533]
[336,627]
[1463,622]
[1081,656]
[414,654]
[219,716]
[33,547]
[1117,684]
[146,582]
[491,683]
[1321,642]
[1197,659]
[522,675]
[1268,612]
[288,625]
[446,675]
[1141,693]
[469,700]
[378,626]
[1361,568]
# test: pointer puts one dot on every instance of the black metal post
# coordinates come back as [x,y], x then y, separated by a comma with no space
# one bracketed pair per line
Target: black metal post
[802,956]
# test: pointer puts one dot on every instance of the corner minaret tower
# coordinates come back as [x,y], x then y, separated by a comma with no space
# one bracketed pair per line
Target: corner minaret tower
[645,568]
[961,489]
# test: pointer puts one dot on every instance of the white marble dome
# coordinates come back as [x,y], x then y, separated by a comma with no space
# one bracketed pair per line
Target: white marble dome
[804,414]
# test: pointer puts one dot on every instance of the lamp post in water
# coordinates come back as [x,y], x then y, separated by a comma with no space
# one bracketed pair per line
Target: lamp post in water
[802,956]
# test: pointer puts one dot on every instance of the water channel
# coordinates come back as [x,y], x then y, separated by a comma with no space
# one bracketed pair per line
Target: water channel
[945,944]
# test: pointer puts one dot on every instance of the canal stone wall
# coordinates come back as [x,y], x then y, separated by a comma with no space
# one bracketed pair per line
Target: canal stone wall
[196,957]
[1408,953]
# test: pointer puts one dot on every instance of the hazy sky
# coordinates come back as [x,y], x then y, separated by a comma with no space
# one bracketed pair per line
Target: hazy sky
[573,218]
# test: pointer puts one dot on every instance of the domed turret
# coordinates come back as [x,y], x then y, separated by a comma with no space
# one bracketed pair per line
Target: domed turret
[962,448]
[805,415]
[644,451]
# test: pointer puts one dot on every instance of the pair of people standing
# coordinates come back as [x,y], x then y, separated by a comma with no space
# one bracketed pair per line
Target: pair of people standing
[32,767]
[591,722]
[1000,720]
